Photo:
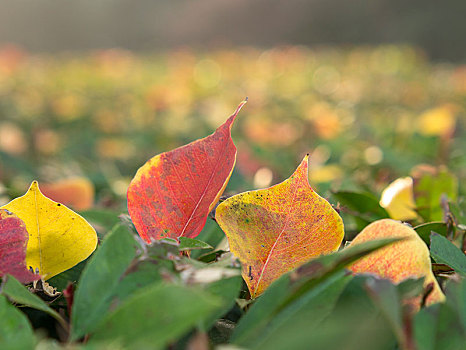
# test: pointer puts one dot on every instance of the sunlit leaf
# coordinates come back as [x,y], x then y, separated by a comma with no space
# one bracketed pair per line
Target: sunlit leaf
[13,242]
[398,199]
[438,121]
[187,243]
[274,230]
[172,194]
[402,260]
[58,237]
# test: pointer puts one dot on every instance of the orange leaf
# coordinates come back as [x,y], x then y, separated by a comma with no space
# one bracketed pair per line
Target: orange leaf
[172,194]
[13,242]
[277,229]
[409,258]
[77,192]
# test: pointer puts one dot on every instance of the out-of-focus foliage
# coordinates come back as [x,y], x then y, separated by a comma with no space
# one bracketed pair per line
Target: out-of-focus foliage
[367,115]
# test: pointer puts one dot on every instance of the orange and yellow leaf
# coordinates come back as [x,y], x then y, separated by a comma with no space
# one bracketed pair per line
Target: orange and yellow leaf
[409,258]
[275,230]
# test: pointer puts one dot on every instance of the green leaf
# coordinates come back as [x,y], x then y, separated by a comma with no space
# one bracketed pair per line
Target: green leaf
[18,293]
[288,329]
[211,234]
[227,289]
[410,288]
[364,204]
[445,252]
[261,311]
[140,276]
[428,192]
[106,219]
[72,275]
[99,280]
[425,327]
[386,298]
[354,323]
[15,331]
[191,243]
[286,290]
[155,316]
[425,230]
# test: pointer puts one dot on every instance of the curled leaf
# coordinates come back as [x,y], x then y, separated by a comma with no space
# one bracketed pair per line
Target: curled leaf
[398,199]
[58,237]
[13,242]
[274,230]
[402,260]
[172,194]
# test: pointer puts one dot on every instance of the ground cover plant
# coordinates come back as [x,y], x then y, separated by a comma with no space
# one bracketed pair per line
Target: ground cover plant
[334,227]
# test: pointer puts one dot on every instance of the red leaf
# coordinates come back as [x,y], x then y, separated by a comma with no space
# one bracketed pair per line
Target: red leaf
[13,242]
[172,194]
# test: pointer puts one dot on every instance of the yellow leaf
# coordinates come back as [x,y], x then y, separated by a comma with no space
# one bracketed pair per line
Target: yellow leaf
[398,199]
[58,237]
[438,121]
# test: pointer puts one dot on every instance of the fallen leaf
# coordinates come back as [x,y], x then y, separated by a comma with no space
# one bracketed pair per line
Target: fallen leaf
[398,199]
[172,194]
[77,192]
[58,237]
[439,121]
[277,229]
[13,242]
[409,258]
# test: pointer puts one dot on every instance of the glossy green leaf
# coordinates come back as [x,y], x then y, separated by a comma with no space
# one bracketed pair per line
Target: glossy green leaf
[288,328]
[365,204]
[227,290]
[386,298]
[140,276]
[15,291]
[443,326]
[445,252]
[15,331]
[187,243]
[99,280]
[424,230]
[155,316]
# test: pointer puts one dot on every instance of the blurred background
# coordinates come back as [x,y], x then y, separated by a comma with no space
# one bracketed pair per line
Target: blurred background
[92,89]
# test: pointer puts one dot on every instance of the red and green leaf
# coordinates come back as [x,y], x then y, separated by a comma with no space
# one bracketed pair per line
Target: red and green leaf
[13,242]
[275,230]
[172,194]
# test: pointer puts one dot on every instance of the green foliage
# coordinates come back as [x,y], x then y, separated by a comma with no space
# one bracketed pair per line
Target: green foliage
[15,331]
[99,281]
[444,252]
[155,316]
